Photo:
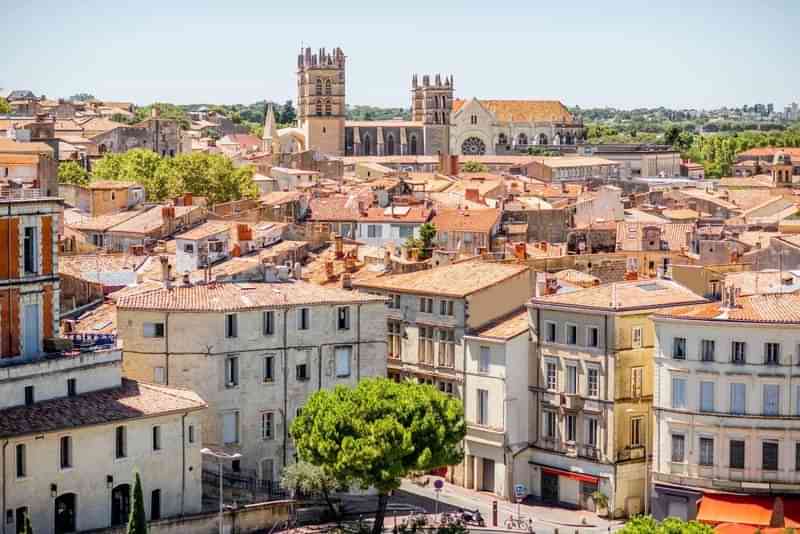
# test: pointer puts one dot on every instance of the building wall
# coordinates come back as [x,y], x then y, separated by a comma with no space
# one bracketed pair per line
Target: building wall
[495,301]
[198,362]
[105,201]
[389,233]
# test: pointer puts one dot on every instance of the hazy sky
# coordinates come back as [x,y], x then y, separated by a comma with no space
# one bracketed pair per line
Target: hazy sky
[676,53]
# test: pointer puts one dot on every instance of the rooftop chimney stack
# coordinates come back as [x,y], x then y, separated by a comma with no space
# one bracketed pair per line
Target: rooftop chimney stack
[166,277]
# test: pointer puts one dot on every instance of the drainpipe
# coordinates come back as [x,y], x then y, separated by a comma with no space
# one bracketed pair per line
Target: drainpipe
[605,359]
[4,485]
[183,462]
[166,348]
[285,385]
[358,344]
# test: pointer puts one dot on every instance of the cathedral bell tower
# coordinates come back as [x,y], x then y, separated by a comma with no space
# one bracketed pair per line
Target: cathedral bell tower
[432,104]
[320,99]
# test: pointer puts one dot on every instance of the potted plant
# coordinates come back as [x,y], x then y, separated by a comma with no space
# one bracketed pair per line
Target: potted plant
[600,503]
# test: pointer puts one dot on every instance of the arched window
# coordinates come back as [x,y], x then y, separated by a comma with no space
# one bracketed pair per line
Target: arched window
[120,504]
[473,119]
[319,86]
[542,139]
[502,139]
[102,149]
[413,145]
[327,107]
[473,146]
[367,144]
[65,513]
[522,139]
[328,87]
[319,107]
[390,145]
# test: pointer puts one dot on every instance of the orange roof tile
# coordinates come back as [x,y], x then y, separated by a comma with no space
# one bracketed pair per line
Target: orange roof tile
[523,110]
[623,296]
[506,327]
[466,220]
[776,308]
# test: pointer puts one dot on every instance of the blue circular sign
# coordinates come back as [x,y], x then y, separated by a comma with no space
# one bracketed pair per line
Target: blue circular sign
[438,484]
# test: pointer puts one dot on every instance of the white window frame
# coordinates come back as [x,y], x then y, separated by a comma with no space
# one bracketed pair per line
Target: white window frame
[637,335]
[343,357]
[267,425]
[567,328]
[231,371]
[589,370]
[231,325]
[547,329]
[268,363]
[548,386]
[589,330]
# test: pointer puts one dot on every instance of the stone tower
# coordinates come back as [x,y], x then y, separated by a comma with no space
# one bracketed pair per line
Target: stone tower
[320,99]
[431,104]
[782,168]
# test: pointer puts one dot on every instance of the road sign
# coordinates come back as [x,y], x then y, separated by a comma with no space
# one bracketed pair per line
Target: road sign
[520,491]
[438,484]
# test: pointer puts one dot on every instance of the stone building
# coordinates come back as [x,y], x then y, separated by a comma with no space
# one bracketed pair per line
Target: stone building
[256,352]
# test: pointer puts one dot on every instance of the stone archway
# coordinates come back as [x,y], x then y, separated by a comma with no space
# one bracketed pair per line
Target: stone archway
[473,146]
[542,139]
[367,145]
[390,145]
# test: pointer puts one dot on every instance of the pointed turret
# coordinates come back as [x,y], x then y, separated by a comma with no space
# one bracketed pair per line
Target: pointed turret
[270,138]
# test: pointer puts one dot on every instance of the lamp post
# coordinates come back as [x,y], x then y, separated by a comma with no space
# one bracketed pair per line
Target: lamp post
[220,456]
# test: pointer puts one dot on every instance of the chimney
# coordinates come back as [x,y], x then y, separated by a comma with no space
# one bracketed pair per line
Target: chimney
[550,285]
[338,242]
[283,273]
[188,199]
[244,232]
[329,270]
[472,194]
[347,282]
[297,271]
[187,279]
[520,251]
[387,260]
[165,272]
[350,263]
[268,268]
[454,164]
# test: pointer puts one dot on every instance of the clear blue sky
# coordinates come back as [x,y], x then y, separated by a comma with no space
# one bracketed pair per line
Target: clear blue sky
[677,53]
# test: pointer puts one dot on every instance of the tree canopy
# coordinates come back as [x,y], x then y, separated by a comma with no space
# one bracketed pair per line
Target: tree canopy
[376,433]
[208,175]
[70,172]
[81,97]
[473,166]
[4,106]
[645,524]
[308,478]
[166,111]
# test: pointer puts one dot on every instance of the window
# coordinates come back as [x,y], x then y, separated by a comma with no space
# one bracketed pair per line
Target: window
[679,348]
[592,379]
[231,371]
[738,352]
[706,451]
[19,518]
[425,305]
[707,350]
[637,381]
[236,466]
[678,392]
[303,318]
[22,464]
[159,375]
[552,379]
[473,119]
[394,302]
[446,307]
[636,432]
[550,424]
[772,393]
[591,431]
[66,452]
[190,434]
[155,504]
[268,323]
[550,332]
[230,428]
[29,251]
[343,318]
[318,86]
[153,329]
[797,456]
[570,422]
[738,399]
[269,368]
[343,358]
[592,336]
[447,348]
[231,328]
[426,345]
[29,396]
[678,441]
[267,425]
[120,442]
[769,455]
[374,230]
[483,407]
[572,334]
[301,371]
[72,387]
[485,357]
[156,438]
[736,454]
[706,396]
[636,337]
[188,248]
[572,379]
[395,339]
[772,353]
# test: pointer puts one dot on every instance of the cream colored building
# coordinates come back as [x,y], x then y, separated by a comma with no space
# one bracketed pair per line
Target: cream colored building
[593,392]
[256,352]
[726,403]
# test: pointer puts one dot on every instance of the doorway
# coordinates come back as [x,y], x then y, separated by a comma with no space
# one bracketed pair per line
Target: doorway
[65,514]
[487,482]
[587,499]
[550,488]
[120,504]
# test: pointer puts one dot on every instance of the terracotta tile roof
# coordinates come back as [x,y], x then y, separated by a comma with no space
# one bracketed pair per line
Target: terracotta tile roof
[566,162]
[577,277]
[506,327]
[243,140]
[769,151]
[332,209]
[9,145]
[101,320]
[397,214]
[630,234]
[277,198]
[206,229]
[455,280]
[78,264]
[680,214]
[111,184]
[776,308]
[408,160]
[240,297]
[102,223]
[466,220]
[523,110]
[19,159]
[746,182]
[623,296]
[764,282]
[150,220]
[133,400]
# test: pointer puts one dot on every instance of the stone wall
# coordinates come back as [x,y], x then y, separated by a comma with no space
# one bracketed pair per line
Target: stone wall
[551,225]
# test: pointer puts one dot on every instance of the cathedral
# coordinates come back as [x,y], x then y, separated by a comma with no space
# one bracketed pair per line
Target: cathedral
[439,124]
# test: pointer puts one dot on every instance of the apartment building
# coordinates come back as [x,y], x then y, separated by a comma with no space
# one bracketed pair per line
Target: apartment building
[429,315]
[498,406]
[593,392]
[726,403]
[255,352]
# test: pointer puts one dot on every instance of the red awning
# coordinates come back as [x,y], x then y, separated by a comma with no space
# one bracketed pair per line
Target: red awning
[569,474]
[743,509]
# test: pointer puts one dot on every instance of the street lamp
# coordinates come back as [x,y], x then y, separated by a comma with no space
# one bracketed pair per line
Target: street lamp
[220,456]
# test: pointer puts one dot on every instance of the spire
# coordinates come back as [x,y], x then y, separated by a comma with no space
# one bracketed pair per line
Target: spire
[270,131]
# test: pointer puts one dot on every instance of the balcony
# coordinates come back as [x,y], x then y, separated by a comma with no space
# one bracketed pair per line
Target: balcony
[589,452]
[631,452]
[87,349]
[484,434]
[750,480]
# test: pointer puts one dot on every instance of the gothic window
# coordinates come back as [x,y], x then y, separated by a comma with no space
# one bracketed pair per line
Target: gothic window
[319,107]
[319,86]
[522,139]
[367,144]
[472,146]
[502,139]
[390,145]
[473,119]
[327,107]
[542,139]
[328,87]
[414,145]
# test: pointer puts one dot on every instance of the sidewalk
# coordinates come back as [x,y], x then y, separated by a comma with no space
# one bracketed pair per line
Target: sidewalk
[465,498]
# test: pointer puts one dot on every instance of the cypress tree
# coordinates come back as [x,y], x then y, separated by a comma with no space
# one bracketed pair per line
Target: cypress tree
[137,522]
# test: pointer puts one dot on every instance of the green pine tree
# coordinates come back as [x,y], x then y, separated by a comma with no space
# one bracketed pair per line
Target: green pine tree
[137,522]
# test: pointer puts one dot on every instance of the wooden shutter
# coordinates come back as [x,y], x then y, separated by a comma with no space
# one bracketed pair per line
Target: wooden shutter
[47,311]
[9,248]
[47,245]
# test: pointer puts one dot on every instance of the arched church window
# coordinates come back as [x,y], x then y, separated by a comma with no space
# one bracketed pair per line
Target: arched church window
[542,139]
[473,119]
[413,145]
[319,107]
[390,145]
[502,139]
[367,144]
[473,146]
[522,139]
[328,87]
[319,86]
[327,107]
